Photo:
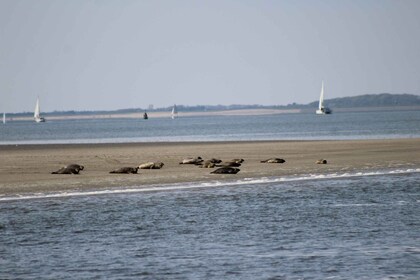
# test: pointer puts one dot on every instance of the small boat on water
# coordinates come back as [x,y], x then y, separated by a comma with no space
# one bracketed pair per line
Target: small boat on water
[145,116]
[322,110]
[174,113]
[37,115]
[4,118]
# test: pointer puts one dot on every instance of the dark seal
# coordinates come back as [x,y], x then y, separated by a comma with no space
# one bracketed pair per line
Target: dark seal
[229,164]
[226,170]
[125,170]
[69,169]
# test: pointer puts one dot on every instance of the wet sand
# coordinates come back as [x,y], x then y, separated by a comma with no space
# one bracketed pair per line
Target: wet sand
[27,168]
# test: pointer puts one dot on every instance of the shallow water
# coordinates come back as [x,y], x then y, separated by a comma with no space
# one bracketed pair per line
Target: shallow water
[361,125]
[363,227]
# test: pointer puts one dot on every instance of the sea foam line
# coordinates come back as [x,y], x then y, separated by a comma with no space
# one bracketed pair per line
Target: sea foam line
[210,184]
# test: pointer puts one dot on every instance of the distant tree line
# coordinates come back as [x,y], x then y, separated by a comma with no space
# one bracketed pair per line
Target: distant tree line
[372,100]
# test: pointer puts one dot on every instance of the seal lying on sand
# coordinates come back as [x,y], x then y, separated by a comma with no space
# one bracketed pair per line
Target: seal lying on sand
[215,160]
[230,164]
[151,165]
[226,170]
[207,164]
[196,160]
[321,161]
[125,170]
[274,160]
[237,160]
[69,169]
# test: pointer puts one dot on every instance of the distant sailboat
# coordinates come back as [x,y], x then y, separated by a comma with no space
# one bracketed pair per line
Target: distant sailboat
[174,113]
[37,116]
[322,110]
[4,118]
[145,116]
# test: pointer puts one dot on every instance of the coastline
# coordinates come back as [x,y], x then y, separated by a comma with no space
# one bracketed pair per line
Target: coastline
[27,168]
[233,112]
[162,114]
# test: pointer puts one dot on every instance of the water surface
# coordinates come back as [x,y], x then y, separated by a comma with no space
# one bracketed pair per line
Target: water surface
[360,125]
[363,227]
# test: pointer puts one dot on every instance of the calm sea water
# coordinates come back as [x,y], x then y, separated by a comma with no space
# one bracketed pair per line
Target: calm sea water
[363,227]
[361,125]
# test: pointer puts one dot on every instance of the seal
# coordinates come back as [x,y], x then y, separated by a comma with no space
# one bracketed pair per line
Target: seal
[69,169]
[215,160]
[76,166]
[151,165]
[274,160]
[66,170]
[195,161]
[229,164]
[207,164]
[237,160]
[226,170]
[321,161]
[125,170]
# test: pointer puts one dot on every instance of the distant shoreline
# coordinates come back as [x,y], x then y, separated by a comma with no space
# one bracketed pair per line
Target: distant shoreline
[236,112]
[152,114]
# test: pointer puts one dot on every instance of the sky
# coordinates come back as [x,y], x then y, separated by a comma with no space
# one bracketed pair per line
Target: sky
[106,55]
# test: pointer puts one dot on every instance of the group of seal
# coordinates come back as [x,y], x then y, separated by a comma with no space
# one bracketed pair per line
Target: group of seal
[76,168]
[134,170]
[227,167]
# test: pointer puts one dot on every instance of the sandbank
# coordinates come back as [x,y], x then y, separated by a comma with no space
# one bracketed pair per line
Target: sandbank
[27,168]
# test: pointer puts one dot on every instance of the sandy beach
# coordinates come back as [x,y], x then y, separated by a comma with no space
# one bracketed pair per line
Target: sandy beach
[27,168]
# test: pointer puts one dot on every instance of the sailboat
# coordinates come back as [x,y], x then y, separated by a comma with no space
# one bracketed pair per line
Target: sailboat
[37,116]
[4,118]
[322,110]
[174,113]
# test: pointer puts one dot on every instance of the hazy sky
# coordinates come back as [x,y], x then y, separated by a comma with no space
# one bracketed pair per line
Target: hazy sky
[94,55]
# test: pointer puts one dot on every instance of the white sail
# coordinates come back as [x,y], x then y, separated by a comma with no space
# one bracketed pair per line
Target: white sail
[321,97]
[37,111]
[322,110]
[4,117]
[174,113]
